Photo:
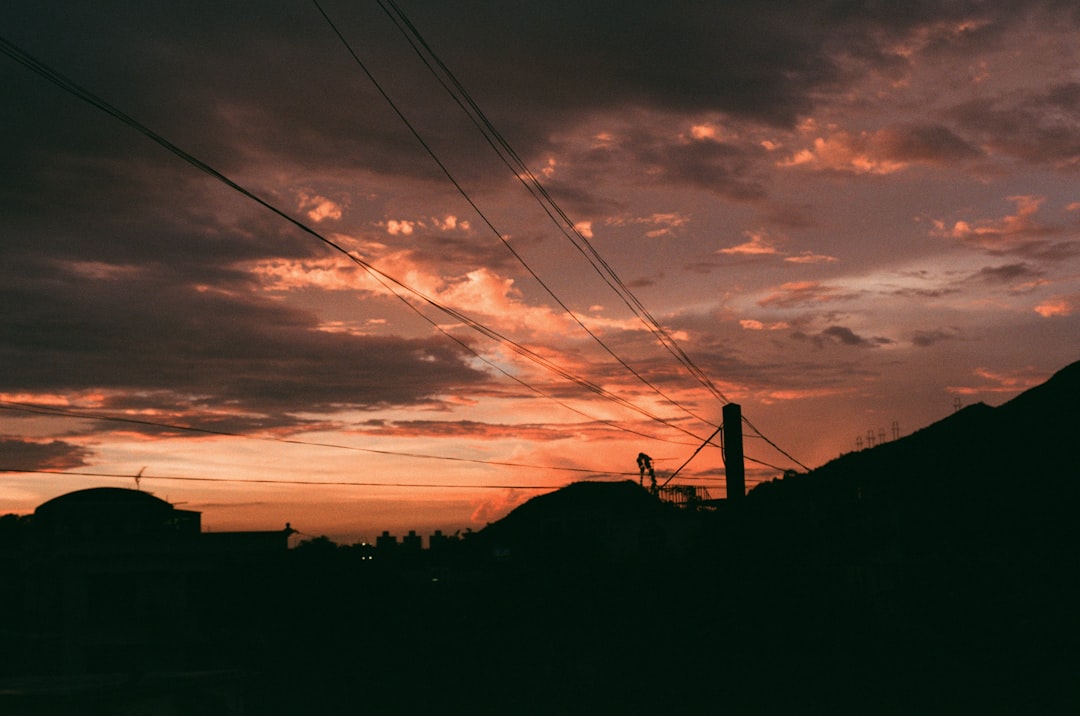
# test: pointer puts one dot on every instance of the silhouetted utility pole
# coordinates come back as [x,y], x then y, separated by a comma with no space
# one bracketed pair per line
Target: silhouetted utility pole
[858,442]
[870,437]
[956,405]
[895,430]
[733,452]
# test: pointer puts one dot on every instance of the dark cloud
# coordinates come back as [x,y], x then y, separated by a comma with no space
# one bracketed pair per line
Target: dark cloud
[204,78]
[925,292]
[460,253]
[1040,126]
[1046,251]
[1007,273]
[721,168]
[840,335]
[791,216]
[927,338]
[923,143]
[661,154]
[66,333]
[20,454]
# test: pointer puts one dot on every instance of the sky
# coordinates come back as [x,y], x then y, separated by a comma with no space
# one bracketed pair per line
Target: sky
[374,266]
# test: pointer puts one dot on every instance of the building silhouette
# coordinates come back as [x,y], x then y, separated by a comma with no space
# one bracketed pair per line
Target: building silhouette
[122,601]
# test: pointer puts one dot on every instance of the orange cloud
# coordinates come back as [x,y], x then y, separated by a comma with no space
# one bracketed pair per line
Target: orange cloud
[319,208]
[496,507]
[395,227]
[327,274]
[775,396]
[751,324]
[795,293]
[758,245]
[886,151]
[1006,232]
[449,223]
[665,223]
[1055,307]
[1001,382]
[843,152]
[809,257]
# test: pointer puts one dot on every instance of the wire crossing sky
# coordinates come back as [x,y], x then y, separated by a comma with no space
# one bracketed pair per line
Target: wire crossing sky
[390,283]
[843,219]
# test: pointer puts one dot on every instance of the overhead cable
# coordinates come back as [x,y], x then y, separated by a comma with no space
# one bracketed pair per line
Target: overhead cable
[384,279]
[85,415]
[487,222]
[536,189]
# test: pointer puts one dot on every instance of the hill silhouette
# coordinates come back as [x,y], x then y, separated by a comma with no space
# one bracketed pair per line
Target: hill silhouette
[588,522]
[963,468]
[931,574]
[1004,473]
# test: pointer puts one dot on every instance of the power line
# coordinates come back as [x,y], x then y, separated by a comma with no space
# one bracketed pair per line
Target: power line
[382,278]
[88,415]
[774,445]
[385,280]
[483,217]
[531,182]
[316,483]
[692,455]
[49,410]
[267,481]
[536,189]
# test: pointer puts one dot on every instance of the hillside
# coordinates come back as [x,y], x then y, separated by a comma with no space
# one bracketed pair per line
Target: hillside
[1009,469]
[591,522]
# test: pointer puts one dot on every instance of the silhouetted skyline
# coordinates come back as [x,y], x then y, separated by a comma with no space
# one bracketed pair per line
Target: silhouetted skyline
[931,574]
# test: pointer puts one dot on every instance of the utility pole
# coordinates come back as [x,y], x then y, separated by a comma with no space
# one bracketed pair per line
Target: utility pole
[733,452]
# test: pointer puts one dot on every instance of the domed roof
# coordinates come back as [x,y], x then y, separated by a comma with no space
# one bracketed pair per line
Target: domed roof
[100,496]
[100,514]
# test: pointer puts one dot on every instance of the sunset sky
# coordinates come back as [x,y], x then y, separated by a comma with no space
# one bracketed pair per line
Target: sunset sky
[846,216]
